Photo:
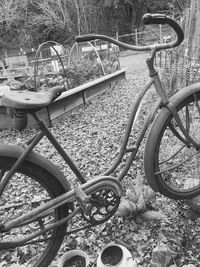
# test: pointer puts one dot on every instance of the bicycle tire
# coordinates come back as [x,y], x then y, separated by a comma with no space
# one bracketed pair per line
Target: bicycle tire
[170,162]
[31,186]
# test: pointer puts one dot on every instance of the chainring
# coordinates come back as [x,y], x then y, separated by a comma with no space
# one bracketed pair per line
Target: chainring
[104,205]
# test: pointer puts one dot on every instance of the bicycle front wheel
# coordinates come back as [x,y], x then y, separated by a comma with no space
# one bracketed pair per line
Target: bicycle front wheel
[171,161]
[30,187]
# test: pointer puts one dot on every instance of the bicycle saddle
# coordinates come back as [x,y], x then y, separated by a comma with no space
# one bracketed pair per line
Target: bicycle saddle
[31,100]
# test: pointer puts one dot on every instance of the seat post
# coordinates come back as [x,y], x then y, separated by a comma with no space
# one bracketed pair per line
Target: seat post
[36,118]
[42,125]
[44,129]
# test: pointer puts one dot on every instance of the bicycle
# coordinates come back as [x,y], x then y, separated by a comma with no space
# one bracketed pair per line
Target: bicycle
[39,218]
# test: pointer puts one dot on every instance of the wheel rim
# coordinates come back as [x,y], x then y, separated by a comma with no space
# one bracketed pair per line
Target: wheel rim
[22,194]
[177,165]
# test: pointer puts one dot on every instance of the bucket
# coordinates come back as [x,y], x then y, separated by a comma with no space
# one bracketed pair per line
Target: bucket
[115,255]
[73,258]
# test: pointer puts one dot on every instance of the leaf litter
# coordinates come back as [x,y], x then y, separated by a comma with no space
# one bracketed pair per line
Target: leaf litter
[91,135]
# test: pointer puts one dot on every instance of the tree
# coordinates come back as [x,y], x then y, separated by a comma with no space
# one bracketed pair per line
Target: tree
[129,12]
[30,22]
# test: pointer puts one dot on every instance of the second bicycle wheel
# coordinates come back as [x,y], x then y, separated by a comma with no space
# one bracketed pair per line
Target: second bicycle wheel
[171,161]
[30,187]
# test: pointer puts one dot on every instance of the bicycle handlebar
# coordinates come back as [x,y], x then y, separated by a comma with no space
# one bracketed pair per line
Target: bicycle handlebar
[163,19]
[147,20]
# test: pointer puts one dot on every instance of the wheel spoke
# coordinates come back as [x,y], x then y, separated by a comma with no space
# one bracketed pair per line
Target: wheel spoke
[173,156]
[177,165]
[177,159]
[37,240]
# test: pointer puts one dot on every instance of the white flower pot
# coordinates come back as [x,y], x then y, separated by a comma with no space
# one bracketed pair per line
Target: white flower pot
[115,255]
[72,253]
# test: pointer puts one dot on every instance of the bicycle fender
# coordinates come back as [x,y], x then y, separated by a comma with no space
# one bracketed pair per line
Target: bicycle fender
[14,151]
[162,115]
[184,93]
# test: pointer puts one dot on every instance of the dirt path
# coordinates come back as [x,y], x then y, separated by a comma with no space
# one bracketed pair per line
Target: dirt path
[133,63]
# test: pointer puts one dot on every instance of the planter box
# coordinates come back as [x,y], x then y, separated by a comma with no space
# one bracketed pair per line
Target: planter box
[69,100]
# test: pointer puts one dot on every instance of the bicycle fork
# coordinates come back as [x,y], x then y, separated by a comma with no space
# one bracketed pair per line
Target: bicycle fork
[166,103]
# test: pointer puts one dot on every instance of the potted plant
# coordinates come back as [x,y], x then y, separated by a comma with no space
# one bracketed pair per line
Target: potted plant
[115,255]
[74,258]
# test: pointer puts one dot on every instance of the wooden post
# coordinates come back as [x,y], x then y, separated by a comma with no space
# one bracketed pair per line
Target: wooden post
[192,31]
[136,37]
[117,36]
[186,29]
[197,33]
[160,28]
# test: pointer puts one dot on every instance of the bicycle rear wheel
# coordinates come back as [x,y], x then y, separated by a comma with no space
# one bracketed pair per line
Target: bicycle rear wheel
[31,186]
[172,163]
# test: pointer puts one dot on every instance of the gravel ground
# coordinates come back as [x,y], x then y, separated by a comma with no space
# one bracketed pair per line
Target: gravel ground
[91,134]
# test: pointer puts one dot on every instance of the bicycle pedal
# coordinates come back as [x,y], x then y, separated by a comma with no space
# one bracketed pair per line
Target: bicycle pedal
[83,200]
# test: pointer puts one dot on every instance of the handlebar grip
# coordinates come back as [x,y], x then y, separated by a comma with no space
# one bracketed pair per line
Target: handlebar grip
[85,38]
[163,19]
[154,19]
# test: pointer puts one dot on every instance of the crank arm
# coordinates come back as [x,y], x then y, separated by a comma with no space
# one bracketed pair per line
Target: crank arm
[102,182]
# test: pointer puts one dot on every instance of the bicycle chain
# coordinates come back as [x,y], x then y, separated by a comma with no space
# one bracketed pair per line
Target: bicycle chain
[104,205]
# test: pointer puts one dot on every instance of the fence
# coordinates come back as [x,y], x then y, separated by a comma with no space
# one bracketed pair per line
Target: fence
[178,68]
[148,35]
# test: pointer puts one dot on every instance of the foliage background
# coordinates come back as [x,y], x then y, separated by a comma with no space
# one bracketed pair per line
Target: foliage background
[27,23]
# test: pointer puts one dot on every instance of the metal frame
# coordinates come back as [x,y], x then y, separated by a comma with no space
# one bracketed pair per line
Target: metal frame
[102,181]
[88,187]
[44,131]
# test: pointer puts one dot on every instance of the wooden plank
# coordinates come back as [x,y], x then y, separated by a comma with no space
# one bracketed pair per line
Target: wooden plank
[58,109]
[75,97]
[17,62]
[68,101]
[92,83]
[100,87]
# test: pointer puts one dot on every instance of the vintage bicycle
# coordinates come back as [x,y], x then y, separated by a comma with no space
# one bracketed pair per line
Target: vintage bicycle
[34,225]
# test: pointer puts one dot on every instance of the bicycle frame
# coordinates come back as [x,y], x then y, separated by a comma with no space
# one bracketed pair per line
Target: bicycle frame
[93,194]
[44,131]
[88,187]
[162,100]
[68,197]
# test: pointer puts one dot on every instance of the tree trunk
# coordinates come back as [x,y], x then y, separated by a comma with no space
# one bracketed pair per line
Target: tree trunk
[137,11]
